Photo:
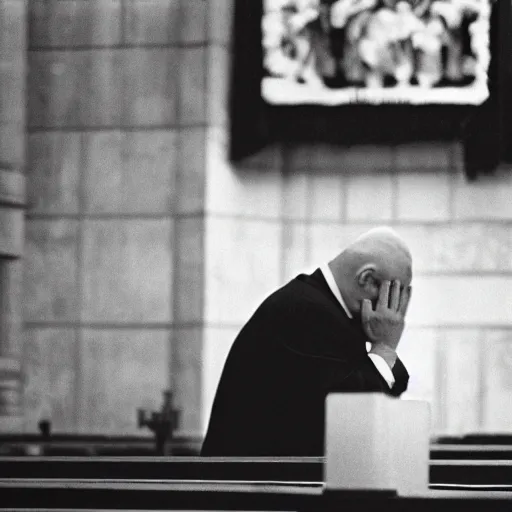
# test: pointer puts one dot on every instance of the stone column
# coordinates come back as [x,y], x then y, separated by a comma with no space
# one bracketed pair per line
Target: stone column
[12,199]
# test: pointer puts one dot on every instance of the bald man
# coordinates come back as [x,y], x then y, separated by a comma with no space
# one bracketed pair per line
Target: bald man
[307,339]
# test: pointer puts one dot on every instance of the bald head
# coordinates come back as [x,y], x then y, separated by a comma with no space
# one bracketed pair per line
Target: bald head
[381,245]
[376,256]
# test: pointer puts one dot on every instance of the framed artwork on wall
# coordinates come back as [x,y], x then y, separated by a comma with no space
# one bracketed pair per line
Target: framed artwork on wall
[371,71]
[336,52]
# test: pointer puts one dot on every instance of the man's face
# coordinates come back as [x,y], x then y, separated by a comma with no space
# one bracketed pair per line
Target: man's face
[401,273]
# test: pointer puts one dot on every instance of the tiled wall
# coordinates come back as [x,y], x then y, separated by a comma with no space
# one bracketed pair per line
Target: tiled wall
[304,204]
[147,250]
[116,123]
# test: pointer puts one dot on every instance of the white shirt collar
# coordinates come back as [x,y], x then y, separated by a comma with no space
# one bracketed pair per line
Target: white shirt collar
[326,271]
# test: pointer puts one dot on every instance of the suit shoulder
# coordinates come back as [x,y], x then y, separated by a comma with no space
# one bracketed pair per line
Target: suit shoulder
[306,322]
[296,293]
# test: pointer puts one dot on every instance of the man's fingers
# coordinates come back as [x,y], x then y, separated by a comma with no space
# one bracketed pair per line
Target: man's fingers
[383,295]
[394,301]
[404,300]
[366,311]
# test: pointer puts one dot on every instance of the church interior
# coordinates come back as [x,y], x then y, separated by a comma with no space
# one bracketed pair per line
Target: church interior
[133,249]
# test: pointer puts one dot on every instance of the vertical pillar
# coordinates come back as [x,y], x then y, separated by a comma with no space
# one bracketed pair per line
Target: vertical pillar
[11,410]
[12,199]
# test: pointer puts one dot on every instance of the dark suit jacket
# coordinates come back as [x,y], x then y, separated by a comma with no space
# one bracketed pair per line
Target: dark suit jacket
[297,347]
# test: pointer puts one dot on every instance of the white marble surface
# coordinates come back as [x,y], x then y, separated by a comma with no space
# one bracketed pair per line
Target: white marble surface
[242,266]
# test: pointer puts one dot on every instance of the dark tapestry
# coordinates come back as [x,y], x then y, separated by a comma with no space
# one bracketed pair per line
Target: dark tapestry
[327,85]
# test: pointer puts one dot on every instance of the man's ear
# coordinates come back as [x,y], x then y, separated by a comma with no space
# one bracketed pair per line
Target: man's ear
[366,279]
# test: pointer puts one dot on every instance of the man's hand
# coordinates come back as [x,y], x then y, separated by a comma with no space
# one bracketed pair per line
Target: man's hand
[385,325]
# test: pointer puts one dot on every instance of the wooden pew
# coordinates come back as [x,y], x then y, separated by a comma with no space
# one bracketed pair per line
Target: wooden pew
[472,452]
[460,467]
[93,445]
[285,484]
[477,439]
[480,472]
[133,446]
[308,469]
[452,472]
[162,495]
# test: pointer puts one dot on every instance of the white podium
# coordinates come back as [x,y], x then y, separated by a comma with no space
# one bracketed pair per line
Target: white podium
[374,442]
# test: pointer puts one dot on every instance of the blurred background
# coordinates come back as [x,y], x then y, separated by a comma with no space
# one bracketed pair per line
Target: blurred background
[133,250]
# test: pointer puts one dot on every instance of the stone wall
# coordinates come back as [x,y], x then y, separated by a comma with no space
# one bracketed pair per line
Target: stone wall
[115,116]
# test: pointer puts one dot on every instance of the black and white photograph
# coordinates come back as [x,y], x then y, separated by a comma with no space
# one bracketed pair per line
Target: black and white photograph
[255,255]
